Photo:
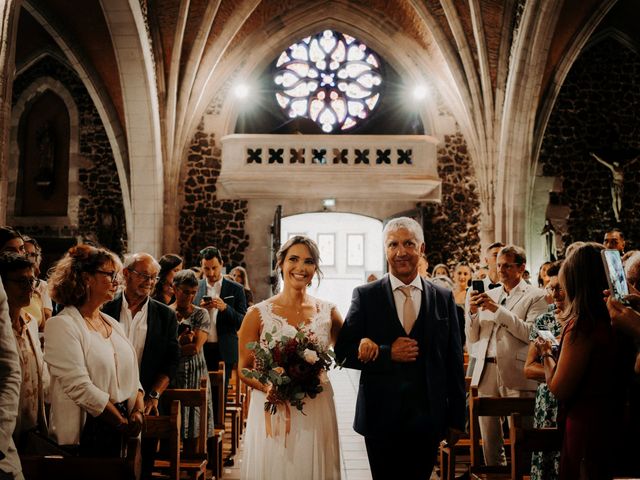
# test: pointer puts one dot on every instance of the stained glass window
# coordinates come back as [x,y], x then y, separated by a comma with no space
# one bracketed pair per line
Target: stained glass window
[330,77]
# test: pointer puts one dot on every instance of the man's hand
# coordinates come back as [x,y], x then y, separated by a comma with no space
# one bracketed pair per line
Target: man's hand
[150,406]
[367,350]
[453,435]
[473,302]
[219,304]
[207,305]
[482,301]
[404,349]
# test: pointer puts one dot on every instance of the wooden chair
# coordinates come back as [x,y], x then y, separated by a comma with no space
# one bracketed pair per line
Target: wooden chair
[167,427]
[194,454]
[491,407]
[216,377]
[525,441]
[235,408]
[448,453]
[40,467]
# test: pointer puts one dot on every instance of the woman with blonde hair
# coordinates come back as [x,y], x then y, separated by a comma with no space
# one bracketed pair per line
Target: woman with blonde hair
[96,396]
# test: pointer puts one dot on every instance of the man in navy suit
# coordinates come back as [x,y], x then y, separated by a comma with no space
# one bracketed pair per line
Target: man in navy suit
[225,301]
[402,332]
[152,329]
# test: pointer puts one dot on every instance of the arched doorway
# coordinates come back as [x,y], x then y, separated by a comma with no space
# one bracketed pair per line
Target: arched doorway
[350,248]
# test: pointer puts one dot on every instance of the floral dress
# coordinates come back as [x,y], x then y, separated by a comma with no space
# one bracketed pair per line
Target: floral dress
[545,466]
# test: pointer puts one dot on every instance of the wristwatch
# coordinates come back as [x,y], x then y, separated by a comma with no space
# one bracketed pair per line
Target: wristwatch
[153,395]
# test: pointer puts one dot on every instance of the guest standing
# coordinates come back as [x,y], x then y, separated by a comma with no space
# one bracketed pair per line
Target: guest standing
[96,396]
[170,264]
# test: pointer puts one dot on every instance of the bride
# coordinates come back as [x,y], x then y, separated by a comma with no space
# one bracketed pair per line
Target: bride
[310,450]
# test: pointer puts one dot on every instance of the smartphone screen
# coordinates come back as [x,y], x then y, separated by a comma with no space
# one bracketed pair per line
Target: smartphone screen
[477,285]
[547,335]
[615,274]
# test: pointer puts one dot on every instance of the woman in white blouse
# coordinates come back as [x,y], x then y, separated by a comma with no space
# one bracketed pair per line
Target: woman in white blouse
[96,397]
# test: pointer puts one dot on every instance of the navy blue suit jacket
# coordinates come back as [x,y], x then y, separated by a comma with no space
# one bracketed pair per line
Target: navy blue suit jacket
[379,410]
[161,350]
[227,322]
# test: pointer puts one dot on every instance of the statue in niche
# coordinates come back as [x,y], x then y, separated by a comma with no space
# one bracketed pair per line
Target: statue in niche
[46,155]
[549,233]
[617,182]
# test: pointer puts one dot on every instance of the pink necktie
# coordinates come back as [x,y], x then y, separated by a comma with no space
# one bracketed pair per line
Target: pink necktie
[408,309]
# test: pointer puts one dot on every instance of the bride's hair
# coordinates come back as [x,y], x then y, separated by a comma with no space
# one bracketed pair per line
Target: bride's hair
[299,240]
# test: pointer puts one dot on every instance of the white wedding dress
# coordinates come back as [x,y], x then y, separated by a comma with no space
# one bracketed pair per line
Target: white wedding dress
[311,449]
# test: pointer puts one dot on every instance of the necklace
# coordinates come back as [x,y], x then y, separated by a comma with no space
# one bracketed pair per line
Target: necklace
[103,324]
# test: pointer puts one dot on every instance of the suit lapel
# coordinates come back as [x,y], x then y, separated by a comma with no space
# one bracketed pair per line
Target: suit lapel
[392,312]
[152,325]
[516,295]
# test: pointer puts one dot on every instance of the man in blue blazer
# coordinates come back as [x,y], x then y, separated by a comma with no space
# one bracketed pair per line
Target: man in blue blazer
[225,301]
[402,332]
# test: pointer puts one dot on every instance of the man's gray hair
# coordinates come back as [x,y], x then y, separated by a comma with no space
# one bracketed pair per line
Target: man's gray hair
[518,253]
[406,223]
[131,259]
[632,269]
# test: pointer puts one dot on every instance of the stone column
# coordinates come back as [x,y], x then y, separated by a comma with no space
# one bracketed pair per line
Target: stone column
[9,11]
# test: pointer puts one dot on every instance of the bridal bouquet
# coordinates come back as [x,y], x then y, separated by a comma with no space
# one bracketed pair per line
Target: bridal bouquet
[294,366]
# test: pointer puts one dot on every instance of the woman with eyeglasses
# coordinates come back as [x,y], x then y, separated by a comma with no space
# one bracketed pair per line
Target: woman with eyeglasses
[17,273]
[96,396]
[591,372]
[40,307]
[545,465]
[193,328]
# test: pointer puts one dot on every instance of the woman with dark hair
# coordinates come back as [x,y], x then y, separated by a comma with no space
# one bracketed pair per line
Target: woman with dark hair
[96,396]
[11,241]
[193,328]
[312,451]
[543,275]
[170,264]
[591,372]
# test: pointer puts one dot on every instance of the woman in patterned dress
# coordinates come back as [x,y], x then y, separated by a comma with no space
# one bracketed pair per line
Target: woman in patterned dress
[545,466]
[193,328]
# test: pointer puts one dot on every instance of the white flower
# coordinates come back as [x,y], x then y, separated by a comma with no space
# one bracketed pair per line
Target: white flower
[310,356]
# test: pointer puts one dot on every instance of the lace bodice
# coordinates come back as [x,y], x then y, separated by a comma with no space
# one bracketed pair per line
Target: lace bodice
[319,324]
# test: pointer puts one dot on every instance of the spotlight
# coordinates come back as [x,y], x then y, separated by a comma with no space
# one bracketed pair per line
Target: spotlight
[241,90]
[329,203]
[420,92]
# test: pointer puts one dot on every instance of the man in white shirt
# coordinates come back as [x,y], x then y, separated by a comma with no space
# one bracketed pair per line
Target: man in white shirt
[152,330]
[226,303]
[498,330]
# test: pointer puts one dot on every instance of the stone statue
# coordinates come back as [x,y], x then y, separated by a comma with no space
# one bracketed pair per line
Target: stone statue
[549,233]
[617,182]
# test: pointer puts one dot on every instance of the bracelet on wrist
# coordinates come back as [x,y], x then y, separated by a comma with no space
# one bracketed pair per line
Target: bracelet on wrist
[547,355]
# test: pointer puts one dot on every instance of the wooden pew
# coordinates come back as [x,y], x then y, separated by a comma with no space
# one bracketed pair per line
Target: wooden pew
[491,407]
[235,410]
[194,454]
[448,453]
[167,427]
[525,441]
[37,467]
[216,377]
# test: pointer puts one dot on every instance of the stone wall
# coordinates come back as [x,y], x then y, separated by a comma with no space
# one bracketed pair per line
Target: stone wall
[205,220]
[597,110]
[451,228]
[101,212]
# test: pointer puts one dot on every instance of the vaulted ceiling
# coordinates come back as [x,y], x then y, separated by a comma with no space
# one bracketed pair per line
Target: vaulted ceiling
[497,65]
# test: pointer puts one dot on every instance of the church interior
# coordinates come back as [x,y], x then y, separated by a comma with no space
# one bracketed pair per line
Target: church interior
[164,126]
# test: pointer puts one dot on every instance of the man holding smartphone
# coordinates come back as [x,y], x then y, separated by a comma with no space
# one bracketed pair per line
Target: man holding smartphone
[499,323]
[225,301]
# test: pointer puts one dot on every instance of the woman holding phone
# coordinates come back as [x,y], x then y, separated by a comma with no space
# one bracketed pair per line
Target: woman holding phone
[193,325]
[592,369]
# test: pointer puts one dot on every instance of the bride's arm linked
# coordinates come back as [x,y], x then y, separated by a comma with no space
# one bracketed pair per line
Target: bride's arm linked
[354,348]
[249,332]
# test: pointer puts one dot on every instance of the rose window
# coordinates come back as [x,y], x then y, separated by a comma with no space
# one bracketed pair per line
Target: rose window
[331,78]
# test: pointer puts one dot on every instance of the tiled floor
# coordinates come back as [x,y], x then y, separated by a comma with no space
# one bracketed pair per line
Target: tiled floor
[353,455]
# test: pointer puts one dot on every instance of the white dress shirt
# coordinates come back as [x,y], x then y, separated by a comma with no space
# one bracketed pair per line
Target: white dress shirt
[399,297]
[135,328]
[213,291]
